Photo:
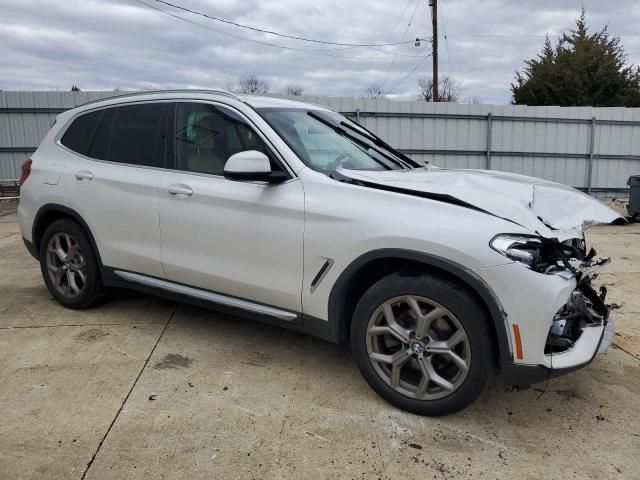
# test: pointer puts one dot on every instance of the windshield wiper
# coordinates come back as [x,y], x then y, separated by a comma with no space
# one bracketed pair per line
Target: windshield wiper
[379,142]
[339,129]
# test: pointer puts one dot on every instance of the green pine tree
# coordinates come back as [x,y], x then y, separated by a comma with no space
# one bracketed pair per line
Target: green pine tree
[584,69]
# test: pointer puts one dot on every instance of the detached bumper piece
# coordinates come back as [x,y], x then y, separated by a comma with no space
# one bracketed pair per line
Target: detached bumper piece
[580,330]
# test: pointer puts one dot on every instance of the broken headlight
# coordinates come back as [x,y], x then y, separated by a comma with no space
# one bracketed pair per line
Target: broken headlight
[520,248]
[548,255]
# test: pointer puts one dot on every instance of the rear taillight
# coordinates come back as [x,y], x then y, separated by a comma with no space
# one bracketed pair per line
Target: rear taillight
[26,170]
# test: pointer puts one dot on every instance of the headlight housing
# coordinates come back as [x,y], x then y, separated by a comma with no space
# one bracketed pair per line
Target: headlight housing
[525,249]
[546,255]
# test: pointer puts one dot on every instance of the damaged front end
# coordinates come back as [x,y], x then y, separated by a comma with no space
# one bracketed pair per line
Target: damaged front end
[563,322]
[549,255]
[585,309]
[582,327]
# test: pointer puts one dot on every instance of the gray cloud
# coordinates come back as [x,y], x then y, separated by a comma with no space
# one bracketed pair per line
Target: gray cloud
[122,43]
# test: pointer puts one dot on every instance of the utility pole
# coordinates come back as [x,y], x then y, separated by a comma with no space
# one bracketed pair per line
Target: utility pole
[434,42]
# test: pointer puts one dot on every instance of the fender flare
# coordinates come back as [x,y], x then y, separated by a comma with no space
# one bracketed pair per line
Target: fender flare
[471,279]
[36,231]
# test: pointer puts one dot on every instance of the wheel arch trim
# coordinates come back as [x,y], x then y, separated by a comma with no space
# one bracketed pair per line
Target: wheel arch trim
[498,316]
[37,231]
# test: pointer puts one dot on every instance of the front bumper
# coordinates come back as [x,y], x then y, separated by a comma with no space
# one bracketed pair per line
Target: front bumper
[598,340]
[533,306]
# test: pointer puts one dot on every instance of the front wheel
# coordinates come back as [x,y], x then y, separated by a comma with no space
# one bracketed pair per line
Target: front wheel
[422,343]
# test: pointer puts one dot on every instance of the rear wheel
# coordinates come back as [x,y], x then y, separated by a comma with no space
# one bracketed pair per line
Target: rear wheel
[422,343]
[69,266]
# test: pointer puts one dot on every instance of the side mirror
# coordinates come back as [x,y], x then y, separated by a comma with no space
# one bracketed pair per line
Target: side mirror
[251,165]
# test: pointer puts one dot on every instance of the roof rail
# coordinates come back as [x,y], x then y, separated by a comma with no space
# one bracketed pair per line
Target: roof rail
[151,92]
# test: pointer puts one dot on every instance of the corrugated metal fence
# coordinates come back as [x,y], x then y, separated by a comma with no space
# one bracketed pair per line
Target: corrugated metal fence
[595,149]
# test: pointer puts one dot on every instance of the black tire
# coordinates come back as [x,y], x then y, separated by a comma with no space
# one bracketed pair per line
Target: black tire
[469,315]
[91,290]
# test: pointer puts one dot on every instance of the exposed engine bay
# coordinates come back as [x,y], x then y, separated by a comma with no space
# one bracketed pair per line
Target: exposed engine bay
[586,307]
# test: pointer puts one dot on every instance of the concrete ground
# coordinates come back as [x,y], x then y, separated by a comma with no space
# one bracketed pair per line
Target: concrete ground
[143,388]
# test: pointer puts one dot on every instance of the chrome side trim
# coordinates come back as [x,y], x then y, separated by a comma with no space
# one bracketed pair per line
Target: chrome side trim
[205,295]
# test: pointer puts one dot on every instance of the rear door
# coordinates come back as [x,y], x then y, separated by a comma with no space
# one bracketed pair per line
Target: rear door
[113,183]
[242,239]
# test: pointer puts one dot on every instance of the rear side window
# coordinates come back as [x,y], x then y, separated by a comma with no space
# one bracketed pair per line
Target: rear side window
[99,145]
[79,134]
[136,134]
[131,134]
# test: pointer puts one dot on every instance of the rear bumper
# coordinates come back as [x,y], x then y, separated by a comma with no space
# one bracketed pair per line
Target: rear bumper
[589,345]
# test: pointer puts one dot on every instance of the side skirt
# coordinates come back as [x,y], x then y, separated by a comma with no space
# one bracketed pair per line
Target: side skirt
[219,302]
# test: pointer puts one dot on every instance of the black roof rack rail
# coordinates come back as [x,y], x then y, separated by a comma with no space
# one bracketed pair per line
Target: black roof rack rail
[151,92]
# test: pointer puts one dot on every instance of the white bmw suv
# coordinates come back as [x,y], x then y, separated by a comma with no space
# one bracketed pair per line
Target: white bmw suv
[294,215]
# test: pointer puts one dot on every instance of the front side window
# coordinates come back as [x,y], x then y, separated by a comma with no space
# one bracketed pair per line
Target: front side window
[207,135]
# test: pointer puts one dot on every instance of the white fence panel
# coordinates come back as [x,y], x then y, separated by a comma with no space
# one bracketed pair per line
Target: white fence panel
[555,143]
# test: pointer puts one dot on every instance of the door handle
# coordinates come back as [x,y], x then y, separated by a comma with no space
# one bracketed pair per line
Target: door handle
[180,189]
[84,175]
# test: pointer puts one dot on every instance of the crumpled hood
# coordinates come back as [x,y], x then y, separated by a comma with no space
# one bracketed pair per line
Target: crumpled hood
[547,208]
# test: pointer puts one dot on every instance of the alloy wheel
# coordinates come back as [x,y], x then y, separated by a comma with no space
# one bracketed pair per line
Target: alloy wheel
[66,265]
[418,347]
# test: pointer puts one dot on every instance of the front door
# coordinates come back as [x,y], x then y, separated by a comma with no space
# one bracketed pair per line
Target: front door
[241,239]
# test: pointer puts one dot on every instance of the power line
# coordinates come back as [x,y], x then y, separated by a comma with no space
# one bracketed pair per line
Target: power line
[446,42]
[394,54]
[388,36]
[491,35]
[403,36]
[419,64]
[434,42]
[284,47]
[527,35]
[270,32]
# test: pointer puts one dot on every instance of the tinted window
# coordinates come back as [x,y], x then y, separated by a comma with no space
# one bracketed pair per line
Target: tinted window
[78,135]
[136,130]
[99,145]
[207,135]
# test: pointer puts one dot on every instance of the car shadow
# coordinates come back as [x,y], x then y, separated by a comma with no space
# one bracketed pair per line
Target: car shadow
[318,361]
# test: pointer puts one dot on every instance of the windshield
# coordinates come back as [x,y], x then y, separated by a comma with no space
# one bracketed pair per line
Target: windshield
[327,140]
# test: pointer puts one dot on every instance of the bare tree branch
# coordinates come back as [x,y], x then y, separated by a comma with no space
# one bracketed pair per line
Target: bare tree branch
[373,91]
[448,89]
[251,84]
[293,90]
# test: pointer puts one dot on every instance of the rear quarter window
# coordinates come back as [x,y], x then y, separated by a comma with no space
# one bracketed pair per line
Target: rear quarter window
[129,134]
[81,131]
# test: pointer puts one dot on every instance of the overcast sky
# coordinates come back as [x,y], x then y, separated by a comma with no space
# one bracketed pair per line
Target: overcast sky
[102,45]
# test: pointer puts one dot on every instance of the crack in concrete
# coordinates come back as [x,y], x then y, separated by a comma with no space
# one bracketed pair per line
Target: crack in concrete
[634,356]
[135,382]
[84,325]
